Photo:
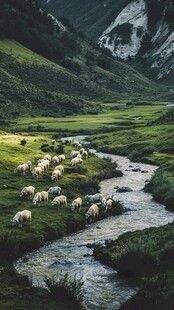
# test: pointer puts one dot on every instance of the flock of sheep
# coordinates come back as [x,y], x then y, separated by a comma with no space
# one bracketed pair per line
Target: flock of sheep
[95,201]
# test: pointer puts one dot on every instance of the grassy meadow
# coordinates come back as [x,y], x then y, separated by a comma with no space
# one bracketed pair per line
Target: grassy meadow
[48,222]
[124,127]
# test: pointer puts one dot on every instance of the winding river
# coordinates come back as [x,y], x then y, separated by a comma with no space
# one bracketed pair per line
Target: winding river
[102,288]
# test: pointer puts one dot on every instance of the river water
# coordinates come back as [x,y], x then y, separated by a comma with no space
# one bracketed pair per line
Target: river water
[102,289]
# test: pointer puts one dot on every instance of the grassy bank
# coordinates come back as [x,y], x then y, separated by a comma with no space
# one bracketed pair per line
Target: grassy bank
[48,223]
[148,257]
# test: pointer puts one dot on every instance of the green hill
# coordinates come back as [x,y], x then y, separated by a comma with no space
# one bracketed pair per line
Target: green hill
[49,69]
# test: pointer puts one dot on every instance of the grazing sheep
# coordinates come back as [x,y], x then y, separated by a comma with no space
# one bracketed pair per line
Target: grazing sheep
[96,198]
[74,153]
[27,192]
[44,164]
[56,175]
[92,213]
[76,161]
[47,156]
[20,217]
[40,197]
[29,163]
[37,171]
[22,169]
[55,160]
[55,190]
[107,204]
[85,154]
[60,167]
[61,158]
[59,201]
[76,204]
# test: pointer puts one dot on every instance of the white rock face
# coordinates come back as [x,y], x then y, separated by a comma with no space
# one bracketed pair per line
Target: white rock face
[163,56]
[160,53]
[135,14]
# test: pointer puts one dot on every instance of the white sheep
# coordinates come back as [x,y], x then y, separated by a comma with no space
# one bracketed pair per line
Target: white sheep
[84,154]
[92,213]
[107,204]
[47,156]
[29,163]
[27,192]
[56,175]
[21,216]
[22,169]
[37,171]
[55,160]
[96,198]
[60,167]
[55,190]
[76,204]
[40,197]
[59,201]
[76,161]
[61,158]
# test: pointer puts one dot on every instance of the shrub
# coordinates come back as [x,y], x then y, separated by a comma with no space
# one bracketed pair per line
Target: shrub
[137,259]
[65,288]
[8,244]
[46,148]
[60,149]
[23,142]
[162,189]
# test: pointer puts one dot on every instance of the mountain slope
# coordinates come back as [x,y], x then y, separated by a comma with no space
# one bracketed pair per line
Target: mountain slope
[138,31]
[35,79]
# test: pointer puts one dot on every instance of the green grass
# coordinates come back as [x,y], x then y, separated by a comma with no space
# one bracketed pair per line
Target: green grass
[110,118]
[147,255]
[23,54]
[48,223]
[142,139]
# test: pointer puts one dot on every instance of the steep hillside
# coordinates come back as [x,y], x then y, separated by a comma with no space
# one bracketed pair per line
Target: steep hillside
[138,31]
[91,17]
[36,79]
[31,84]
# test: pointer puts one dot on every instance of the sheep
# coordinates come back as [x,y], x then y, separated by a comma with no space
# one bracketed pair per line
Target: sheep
[76,161]
[29,163]
[20,217]
[60,167]
[22,169]
[55,160]
[40,197]
[27,192]
[37,171]
[76,204]
[107,204]
[61,158]
[42,166]
[59,201]
[92,213]
[84,154]
[46,164]
[74,153]
[55,190]
[96,198]
[47,156]
[82,150]
[56,175]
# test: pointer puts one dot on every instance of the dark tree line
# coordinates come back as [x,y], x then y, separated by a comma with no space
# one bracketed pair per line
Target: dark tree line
[30,24]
